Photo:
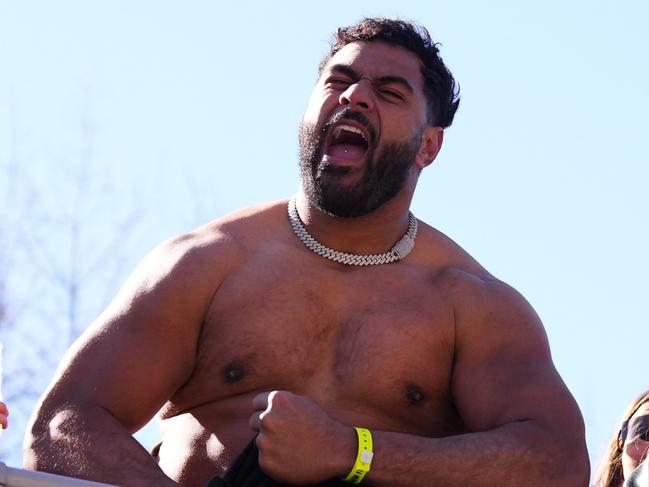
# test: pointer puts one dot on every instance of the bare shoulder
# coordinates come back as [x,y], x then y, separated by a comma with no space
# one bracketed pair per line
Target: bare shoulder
[180,276]
[154,324]
[471,287]
[214,249]
[457,270]
[503,369]
[243,229]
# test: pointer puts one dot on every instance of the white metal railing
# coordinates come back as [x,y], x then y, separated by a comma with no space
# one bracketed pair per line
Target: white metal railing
[17,477]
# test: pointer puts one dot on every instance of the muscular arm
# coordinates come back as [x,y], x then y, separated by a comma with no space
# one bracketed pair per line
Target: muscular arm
[523,426]
[122,370]
[526,427]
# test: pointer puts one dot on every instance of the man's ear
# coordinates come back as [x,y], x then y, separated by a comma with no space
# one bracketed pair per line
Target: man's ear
[431,143]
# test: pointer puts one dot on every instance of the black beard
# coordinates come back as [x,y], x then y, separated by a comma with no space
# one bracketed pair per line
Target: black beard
[384,175]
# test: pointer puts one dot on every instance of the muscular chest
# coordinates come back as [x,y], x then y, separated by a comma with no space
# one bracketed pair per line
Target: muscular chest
[382,333]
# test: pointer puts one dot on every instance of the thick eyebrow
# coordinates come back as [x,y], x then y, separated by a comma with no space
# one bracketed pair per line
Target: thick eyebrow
[382,80]
[346,70]
[386,80]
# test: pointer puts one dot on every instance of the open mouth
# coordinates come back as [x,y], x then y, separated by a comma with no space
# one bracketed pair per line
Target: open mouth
[347,143]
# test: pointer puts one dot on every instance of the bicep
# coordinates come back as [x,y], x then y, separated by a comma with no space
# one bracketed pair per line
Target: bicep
[140,350]
[503,370]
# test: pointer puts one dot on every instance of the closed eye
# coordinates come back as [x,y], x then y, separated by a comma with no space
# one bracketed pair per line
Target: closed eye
[391,93]
[337,82]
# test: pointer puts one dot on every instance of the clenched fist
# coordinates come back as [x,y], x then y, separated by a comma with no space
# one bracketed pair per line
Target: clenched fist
[298,442]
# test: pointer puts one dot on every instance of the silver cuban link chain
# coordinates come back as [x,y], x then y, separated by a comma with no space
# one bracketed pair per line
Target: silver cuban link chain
[402,248]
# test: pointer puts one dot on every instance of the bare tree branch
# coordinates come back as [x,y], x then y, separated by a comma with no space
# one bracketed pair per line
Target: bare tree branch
[62,249]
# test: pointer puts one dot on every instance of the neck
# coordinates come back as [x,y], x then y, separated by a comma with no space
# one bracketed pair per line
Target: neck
[373,233]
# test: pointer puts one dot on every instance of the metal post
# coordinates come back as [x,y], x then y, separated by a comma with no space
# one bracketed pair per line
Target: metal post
[17,477]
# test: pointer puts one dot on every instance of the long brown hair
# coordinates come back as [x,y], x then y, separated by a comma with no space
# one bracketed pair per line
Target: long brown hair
[611,474]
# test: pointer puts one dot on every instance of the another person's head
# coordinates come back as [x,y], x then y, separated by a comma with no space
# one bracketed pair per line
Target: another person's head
[375,117]
[630,445]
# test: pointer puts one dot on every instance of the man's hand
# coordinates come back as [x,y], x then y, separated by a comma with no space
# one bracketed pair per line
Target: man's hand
[4,412]
[298,442]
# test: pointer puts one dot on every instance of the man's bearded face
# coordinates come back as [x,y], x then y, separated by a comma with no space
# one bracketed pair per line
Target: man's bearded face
[383,172]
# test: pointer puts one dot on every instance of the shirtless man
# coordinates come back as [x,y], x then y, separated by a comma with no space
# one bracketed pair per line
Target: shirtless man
[241,328]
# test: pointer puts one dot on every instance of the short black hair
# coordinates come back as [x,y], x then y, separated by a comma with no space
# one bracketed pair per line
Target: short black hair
[440,88]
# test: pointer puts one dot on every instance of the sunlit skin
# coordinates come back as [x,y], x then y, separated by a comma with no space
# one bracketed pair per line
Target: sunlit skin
[635,449]
[396,113]
[237,329]
[4,412]
[394,104]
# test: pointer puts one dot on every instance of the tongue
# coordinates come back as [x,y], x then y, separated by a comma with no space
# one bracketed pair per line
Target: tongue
[346,151]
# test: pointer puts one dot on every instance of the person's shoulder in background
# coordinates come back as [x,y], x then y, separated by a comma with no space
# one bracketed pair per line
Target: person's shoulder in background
[640,476]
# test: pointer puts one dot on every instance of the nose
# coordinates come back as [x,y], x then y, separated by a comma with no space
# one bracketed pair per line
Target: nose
[358,95]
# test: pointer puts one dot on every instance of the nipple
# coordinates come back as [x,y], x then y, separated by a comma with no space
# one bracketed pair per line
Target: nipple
[234,372]
[414,394]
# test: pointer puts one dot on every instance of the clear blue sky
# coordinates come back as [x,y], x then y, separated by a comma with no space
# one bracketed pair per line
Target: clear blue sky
[543,176]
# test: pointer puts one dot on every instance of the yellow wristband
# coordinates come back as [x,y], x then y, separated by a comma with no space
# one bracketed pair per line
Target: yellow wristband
[363,457]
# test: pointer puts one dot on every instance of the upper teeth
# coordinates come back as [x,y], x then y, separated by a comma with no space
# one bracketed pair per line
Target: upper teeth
[349,128]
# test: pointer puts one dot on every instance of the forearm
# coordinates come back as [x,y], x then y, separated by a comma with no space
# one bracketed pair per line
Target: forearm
[88,442]
[513,455]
